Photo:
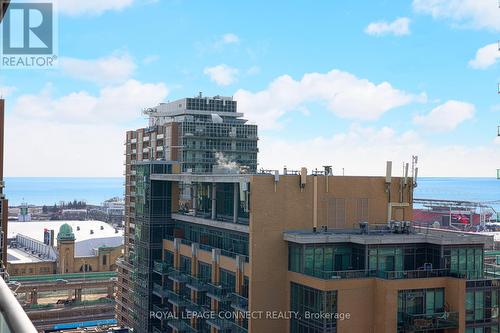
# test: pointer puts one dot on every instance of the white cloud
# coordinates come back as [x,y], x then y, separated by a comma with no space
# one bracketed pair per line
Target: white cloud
[254,70]
[446,117]
[343,93]
[398,27]
[495,108]
[117,104]
[45,148]
[222,74]
[230,38]
[78,134]
[477,14]
[115,68]
[485,57]
[91,7]
[151,59]
[354,150]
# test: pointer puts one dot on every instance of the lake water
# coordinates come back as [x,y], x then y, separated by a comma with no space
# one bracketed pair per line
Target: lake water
[43,190]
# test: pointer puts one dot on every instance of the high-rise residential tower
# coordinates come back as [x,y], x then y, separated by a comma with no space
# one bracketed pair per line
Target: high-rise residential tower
[190,135]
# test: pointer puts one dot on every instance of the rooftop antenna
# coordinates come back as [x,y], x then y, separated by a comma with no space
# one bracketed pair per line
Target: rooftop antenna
[414,169]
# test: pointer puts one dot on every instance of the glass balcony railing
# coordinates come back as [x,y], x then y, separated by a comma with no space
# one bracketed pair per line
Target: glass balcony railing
[239,302]
[195,307]
[396,275]
[161,308]
[217,292]
[334,275]
[176,299]
[160,267]
[418,274]
[197,284]
[220,324]
[238,329]
[159,290]
[13,319]
[433,321]
[181,326]
[177,276]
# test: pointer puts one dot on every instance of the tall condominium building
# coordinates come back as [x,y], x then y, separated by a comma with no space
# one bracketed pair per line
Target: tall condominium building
[4,206]
[240,251]
[204,132]
[191,135]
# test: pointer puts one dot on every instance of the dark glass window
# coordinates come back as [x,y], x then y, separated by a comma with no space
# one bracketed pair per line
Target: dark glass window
[307,301]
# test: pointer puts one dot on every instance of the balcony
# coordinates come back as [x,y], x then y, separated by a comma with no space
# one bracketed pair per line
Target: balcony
[161,308]
[220,324]
[13,319]
[181,326]
[419,274]
[239,302]
[159,290]
[429,322]
[217,292]
[197,284]
[388,275]
[177,276]
[160,267]
[238,329]
[176,299]
[195,307]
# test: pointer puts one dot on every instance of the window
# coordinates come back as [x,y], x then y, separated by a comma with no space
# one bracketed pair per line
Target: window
[185,264]
[305,299]
[104,260]
[227,279]
[415,302]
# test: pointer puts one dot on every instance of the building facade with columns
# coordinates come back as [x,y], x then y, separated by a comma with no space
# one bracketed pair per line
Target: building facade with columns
[78,246]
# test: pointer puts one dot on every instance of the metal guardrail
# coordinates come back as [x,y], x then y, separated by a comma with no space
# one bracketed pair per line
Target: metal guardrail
[431,321]
[13,319]
[72,276]
[488,273]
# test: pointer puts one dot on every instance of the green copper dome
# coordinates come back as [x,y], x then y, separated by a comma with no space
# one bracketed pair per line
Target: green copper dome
[66,233]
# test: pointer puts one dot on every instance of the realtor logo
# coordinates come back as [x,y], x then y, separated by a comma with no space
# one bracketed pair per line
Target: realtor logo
[28,35]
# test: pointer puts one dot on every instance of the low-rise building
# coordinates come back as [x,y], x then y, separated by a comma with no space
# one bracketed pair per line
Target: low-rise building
[79,246]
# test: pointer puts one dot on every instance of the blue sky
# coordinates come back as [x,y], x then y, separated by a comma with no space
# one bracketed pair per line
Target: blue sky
[350,84]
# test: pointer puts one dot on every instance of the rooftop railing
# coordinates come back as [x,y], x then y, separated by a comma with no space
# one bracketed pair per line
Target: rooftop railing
[396,275]
[13,319]
[433,321]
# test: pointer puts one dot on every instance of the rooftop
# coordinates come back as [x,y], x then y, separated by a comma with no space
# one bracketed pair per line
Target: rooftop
[381,234]
[86,243]
[18,256]
[81,229]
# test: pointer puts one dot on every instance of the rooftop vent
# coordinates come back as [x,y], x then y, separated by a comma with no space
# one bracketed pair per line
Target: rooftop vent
[364,227]
[91,231]
[102,227]
[77,228]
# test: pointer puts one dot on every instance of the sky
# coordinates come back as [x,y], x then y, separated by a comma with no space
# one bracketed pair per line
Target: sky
[345,83]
